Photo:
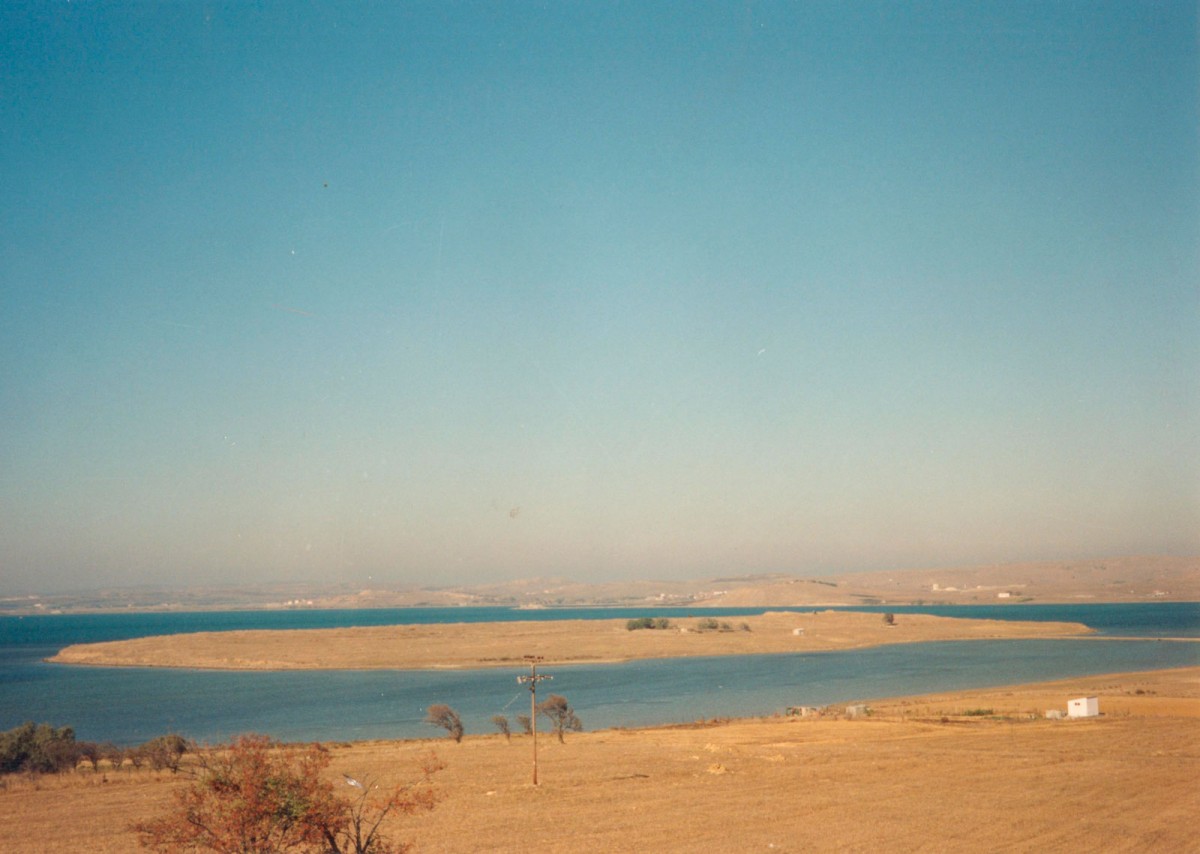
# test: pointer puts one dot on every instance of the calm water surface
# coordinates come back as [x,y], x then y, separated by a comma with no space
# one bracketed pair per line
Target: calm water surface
[130,705]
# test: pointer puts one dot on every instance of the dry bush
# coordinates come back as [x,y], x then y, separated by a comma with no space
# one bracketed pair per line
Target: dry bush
[257,797]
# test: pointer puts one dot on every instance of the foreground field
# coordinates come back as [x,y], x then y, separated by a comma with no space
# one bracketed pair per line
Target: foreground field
[968,771]
[446,645]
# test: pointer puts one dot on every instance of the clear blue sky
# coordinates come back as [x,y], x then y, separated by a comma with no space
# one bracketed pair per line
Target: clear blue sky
[450,293]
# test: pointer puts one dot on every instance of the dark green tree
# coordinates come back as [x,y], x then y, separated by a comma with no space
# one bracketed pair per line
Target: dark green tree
[37,749]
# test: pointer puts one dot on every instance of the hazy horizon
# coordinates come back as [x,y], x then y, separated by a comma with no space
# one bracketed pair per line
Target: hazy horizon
[459,293]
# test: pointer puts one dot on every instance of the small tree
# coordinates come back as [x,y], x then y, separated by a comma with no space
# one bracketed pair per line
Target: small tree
[562,717]
[889,619]
[89,752]
[166,751]
[366,812]
[526,723]
[442,715]
[501,723]
[114,754]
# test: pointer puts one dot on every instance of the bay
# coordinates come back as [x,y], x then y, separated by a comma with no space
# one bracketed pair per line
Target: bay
[131,705]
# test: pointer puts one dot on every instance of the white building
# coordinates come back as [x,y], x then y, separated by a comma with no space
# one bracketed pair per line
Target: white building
[1084,707]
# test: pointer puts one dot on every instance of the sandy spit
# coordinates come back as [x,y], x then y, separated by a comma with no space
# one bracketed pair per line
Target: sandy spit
[480,645]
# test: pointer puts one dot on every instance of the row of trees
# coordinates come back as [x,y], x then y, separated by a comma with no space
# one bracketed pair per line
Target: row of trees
[555,708]
[43,749]
[708,624]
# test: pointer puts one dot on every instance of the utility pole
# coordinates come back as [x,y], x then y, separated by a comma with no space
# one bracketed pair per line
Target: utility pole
[531,680]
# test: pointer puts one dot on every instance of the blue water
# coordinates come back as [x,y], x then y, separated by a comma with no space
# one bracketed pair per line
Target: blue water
[130,705]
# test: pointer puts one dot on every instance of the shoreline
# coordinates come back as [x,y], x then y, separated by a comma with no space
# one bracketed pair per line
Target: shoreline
[949,769]
[700,608]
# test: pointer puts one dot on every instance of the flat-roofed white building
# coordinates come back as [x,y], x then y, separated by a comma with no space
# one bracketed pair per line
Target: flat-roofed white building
[1084,707]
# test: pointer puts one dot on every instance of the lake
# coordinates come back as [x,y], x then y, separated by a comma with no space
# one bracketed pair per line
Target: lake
[131,705]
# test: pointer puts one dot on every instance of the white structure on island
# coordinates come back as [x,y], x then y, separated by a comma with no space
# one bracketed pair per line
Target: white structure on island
[1084,707]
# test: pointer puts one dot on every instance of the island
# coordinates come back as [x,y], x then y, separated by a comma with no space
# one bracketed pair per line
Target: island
[505,644]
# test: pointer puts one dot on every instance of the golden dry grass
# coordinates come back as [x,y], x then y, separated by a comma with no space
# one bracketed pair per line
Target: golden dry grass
[916,775]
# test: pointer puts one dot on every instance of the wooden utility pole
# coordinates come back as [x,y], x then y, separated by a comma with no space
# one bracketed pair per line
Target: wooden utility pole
[531,680]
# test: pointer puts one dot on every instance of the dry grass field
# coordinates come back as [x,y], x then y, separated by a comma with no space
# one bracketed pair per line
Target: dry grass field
[969,771]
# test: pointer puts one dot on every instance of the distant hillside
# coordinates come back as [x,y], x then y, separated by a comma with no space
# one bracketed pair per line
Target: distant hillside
[1125,579]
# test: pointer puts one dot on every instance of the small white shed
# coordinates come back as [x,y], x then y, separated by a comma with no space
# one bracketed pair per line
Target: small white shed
[1084,707]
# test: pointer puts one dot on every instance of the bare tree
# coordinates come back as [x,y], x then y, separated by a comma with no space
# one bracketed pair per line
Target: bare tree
[366,812]
[442,715]
[562,717]
[501,723]
[526,723]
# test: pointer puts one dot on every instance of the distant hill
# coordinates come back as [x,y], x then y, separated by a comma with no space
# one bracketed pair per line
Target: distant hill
[1121,579]
[1124,579]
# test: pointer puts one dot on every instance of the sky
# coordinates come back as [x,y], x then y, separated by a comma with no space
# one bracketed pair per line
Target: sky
[452,293]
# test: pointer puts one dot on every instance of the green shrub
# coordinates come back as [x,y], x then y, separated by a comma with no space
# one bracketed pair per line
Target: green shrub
[37,748]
